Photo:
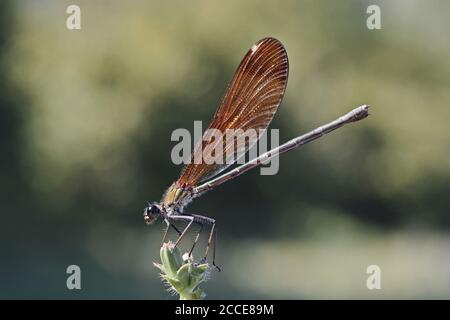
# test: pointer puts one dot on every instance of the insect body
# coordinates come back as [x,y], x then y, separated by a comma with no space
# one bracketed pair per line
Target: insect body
[250,103]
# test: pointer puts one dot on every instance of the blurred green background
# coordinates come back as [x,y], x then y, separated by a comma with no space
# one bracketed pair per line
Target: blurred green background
[85,124]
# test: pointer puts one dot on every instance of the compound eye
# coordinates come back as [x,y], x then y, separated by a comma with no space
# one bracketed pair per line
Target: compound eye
[153,209]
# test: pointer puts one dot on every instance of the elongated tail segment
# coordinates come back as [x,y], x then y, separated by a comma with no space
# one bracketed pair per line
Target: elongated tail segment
[353,116]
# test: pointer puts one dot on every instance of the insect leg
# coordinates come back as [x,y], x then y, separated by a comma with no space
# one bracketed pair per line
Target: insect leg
[209,240]
[191,220]
[196,238]
[165,234]
[214,252]
[169,224]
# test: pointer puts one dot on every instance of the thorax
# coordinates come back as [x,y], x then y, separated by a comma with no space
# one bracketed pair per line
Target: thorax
[176,198]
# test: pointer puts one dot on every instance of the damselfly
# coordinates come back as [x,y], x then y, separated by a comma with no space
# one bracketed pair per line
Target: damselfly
[250,102]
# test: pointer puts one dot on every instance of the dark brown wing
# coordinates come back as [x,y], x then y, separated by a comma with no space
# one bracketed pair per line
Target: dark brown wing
[250,102]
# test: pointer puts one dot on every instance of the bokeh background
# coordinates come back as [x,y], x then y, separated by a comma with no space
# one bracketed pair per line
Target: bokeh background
[85,124]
